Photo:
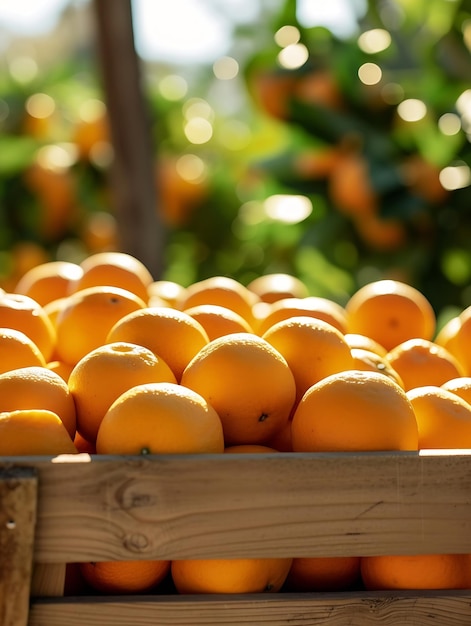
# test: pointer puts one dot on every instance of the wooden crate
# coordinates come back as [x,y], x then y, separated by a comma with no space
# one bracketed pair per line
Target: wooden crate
[82,508]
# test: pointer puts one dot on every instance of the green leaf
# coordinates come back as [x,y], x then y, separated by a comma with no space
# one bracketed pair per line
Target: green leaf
[16,153]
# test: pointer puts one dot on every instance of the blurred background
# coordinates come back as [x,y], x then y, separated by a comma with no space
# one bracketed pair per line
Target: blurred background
[326,140]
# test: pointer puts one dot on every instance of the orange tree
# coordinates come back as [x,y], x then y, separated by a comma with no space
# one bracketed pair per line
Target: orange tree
[338,159]
[380,144]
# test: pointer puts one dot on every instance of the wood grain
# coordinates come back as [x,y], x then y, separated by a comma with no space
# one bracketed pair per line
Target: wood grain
[17,520]
[334,609]
[199,506]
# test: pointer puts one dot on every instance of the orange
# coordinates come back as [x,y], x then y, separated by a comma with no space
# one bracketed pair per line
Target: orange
[390,312]
[313,306]
[223,291]
[369,361]
[99,231]
[230,575]
[48,281]
[84,321]
[171,334]
[38,387]
[312,348]
[422,571]
[281,440]
[354,411]
[455,336]
[422,362]
[364,342]
[121,577]
[336,573]
[105,373]
[53,308]
[83,445]
[381,233]
[61,368]
[25,314]
[248,382]
[218,320]
[443,418]
[27,432]
[461,386]
[249,448]
[350,188]
[18,350]
[160,418]
[273,287]
[166,291]
[114,269]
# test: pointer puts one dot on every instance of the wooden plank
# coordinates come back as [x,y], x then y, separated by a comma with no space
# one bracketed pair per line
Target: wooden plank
[334,609]
[48,580]
[140,228]
[17,521]
[201,506]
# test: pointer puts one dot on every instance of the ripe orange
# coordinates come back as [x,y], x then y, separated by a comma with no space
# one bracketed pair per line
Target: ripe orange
[443,418]
[38,387]
[249,384]
[390,312]
[49,281]
[121,577]
[353,411]
[53,308]
[381,233]
[422,362]
[369,361]
[61,368]
[223,291]
[33,431]
[312,348]
[160,418]
[84,321]
[455,336]
[273,287]
[423,571]
[336,573]
[166,291]
[461,386]
[230,575]
[105,373]
[171,334]
[114,269]
[364,342]
[218,320]
[83,445]
[313,306]
[18,350]
[250,448]
[25,314]
[350,187]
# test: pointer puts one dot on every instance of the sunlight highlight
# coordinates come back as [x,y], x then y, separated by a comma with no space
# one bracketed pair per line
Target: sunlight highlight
[288,209]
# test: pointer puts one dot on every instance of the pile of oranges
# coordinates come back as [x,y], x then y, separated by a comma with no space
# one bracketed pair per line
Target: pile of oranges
[98,357]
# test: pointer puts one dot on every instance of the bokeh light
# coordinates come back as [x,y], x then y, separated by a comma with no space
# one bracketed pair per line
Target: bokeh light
[370,73]
[374,40]
[225,68]
[293,56]
[412,110]
[173,87]
[290,209]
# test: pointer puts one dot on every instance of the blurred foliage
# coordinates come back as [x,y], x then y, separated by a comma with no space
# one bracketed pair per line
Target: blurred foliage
[316,168]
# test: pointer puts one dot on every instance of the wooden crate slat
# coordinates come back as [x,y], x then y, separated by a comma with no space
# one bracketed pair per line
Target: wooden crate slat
[200,506]
[18,488]
[335,609]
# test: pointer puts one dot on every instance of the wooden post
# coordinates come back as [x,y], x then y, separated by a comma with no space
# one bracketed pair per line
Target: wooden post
[133,182]
[18,492]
